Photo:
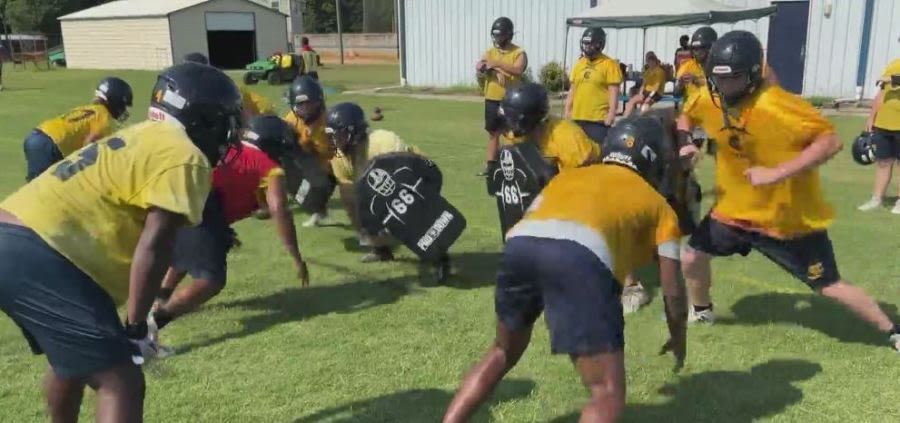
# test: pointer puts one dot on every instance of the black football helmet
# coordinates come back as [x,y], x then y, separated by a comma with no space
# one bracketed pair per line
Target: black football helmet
[702,41]
[734,67]
[346,125]
[306,98]
[205,101]
[593,41]
[637,143]
[863,149]
[117,95]
[273,136]
[502,31]
[195,58]
[524,107]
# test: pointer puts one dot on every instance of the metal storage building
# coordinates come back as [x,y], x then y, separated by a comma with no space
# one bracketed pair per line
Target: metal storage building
[154,34]
[833,48]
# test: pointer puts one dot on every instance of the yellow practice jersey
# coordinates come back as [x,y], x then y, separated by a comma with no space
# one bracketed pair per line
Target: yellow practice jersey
[493,88]
[312,138]
[888,116]
[72,130]
[591,80]
[380,142]
[691,67]
[254,104]
[772,128]
[654,80]
[91,206]
[624,234]
[563,144]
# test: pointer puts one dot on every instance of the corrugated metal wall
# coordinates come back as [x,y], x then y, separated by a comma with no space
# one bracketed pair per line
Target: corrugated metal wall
[446,37]
[885,43]
[832,48]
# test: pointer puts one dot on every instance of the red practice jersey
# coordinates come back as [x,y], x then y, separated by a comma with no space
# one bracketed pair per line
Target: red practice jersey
[241,179]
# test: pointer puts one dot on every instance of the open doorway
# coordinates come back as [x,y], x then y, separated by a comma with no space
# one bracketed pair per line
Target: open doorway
[231,49]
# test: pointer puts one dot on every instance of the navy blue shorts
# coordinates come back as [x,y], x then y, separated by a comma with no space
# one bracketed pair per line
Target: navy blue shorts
[493,122]
[202,251]
[40,153]
[63,313]
[594,130]
[809,258]
[887,144]
[580,295]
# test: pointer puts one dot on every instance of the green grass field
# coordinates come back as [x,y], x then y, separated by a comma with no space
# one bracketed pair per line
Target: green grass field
[379,343]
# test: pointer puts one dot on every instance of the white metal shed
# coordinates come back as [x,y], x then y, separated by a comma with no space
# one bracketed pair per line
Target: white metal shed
[142,34]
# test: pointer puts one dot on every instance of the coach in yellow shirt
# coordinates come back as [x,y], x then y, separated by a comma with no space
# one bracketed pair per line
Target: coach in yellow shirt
[884,123]
[58,137]
[594,95]
[562,143]
[567,258]
[502,67]
[96,230]
[770,199]
[355,147]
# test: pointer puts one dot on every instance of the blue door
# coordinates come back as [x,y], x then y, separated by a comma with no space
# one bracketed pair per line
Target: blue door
[786,52]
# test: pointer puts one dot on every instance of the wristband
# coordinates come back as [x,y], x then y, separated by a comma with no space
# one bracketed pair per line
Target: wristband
[136,330]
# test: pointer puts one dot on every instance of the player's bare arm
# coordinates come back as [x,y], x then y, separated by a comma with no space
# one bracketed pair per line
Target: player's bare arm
[613,104]
[516,69]
[276,198]
[824,147]
[151,260]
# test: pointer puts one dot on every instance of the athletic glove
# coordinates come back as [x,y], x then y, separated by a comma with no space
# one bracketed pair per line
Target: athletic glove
[139,335]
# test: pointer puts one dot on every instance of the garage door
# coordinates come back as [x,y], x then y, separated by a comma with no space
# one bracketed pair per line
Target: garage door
[229,21]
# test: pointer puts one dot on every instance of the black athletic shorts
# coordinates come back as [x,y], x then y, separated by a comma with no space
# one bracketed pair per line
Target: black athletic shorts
[655,97]
[887,144]
[571,284]
[809,258]
[596,131]
[62,312]
[493,122]
[201,251]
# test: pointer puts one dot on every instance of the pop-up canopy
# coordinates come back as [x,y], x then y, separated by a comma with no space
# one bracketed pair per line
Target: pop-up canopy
[650,13]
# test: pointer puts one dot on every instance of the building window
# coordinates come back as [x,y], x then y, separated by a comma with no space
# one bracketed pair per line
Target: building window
[276,5]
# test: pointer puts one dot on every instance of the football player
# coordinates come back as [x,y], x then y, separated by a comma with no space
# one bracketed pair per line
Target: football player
[502,67]
[690,75]
[355,146]
[770,196]
[117,205]
[884,123]
[201,251]
[307,119]
[594,95]
[252,103]
[567,258]
[525,109]
[58,137]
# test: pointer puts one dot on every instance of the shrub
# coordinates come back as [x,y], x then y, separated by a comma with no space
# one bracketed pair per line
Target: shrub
[553,77]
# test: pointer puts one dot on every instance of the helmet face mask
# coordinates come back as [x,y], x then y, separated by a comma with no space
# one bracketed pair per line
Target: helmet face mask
[700,54]
[593,41]
[117,96]
[734,67]
[308,110]
[346,126]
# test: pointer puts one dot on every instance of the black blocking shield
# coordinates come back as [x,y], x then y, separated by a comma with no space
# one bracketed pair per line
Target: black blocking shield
[516,179]
[401,193]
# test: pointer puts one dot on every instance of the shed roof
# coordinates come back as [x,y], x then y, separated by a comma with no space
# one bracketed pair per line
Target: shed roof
[140,9]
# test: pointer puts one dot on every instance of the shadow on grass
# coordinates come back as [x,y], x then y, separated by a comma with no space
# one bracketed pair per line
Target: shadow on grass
[725,396]
[295,304]
[416,405]
[810,311]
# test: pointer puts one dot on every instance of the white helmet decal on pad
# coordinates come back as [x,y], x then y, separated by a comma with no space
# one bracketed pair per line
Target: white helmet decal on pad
[380,181]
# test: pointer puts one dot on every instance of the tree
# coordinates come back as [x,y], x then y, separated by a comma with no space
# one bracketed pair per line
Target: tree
[320,16]
[41,15]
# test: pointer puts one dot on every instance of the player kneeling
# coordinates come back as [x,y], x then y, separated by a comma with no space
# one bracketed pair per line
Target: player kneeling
[201,251]
[568,256]
[107,238]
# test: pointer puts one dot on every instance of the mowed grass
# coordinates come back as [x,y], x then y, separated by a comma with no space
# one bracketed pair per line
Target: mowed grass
[379,343]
